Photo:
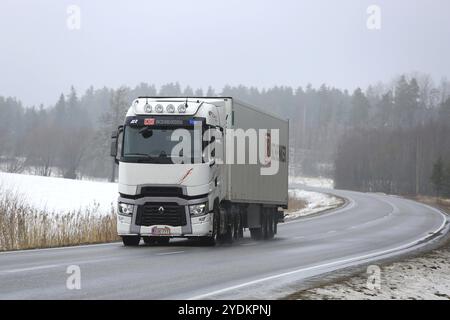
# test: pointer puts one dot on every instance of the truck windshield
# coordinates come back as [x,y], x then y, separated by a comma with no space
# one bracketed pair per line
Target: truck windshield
[155,145]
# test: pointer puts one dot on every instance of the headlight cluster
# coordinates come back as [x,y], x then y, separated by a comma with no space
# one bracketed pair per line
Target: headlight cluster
[198,209]
[125,209]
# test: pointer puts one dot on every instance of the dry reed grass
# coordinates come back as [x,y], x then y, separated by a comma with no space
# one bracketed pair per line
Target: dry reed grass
[25,227]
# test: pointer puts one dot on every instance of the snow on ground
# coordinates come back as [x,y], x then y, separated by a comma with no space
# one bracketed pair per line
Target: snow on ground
[61,195]
[318,182]
[315,202]
[426,277]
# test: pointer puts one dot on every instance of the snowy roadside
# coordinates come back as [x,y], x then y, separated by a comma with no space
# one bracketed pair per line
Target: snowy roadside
[58,195]
[426,277]
[314,202]
[313,182]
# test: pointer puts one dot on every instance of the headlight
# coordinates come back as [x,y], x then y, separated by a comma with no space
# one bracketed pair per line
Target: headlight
[198,209]
[125,209]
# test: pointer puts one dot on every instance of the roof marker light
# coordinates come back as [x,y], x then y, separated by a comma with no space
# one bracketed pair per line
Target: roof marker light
[182,108]
[170,108]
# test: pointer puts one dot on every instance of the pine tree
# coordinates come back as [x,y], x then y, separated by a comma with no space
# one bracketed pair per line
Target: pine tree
[437,176]
[360,109]
[446,181]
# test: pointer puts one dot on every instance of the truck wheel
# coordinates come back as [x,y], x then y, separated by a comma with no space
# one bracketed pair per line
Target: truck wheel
[238,230]
[275,222]
[214,238]
[256,233]
[270,225]
[265,225]
[229,236]
[131,241]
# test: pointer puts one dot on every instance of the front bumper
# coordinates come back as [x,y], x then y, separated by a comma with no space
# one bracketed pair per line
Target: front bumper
[191,226]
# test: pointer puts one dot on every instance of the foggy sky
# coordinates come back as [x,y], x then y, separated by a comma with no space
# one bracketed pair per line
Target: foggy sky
[216,42]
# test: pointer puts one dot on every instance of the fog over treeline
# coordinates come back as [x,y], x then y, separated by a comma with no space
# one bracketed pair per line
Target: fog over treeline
[382,138]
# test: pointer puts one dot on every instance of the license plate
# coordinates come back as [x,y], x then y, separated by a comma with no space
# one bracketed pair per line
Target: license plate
[156,231]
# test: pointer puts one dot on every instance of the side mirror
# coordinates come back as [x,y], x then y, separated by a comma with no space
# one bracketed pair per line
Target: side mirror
[114,148]
[114,142]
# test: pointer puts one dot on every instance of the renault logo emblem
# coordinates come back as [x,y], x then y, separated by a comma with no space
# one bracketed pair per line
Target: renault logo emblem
[161,209]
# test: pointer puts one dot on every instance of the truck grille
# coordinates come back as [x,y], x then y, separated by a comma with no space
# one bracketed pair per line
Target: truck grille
[161,192]
[150,214]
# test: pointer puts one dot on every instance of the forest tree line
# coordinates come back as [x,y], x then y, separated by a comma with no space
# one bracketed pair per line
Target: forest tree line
[384,138]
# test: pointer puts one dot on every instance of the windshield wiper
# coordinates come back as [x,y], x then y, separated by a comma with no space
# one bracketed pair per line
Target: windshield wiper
[138,154]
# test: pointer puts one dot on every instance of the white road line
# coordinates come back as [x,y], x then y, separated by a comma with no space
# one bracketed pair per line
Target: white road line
[60,248]
[167,253]
[31,268]
[58,265]
[361,259]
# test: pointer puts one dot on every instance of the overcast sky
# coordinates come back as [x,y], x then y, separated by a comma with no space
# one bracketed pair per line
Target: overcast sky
[216,42]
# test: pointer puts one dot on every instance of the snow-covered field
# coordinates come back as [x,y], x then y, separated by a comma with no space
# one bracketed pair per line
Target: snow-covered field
[60,195]
[313,182]
[315,202]
[63,195]
[426,277]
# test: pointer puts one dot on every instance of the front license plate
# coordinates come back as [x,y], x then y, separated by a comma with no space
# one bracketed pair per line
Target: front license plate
[157,231]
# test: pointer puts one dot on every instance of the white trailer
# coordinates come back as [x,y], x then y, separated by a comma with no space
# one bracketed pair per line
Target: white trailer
[200,167]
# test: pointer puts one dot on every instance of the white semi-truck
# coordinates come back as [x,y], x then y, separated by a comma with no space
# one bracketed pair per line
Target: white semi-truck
[199,167]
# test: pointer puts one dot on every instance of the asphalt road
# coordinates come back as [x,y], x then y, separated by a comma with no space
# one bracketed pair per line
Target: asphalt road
[369,227]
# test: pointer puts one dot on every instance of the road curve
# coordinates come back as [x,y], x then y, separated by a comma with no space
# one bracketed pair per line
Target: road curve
[369,227]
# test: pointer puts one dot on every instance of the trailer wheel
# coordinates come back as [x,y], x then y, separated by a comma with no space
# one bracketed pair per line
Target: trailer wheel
[131,241]
[270,225]
[238,230]
[265,224]
[275,221]
[256,233]
[241,223]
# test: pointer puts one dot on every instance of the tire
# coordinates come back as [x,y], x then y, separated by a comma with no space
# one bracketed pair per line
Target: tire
[270,225]
[156,240]
[238,230]
[256,233]
[229,236]
[275,222]
[131,241]
[212,240]
[264,225]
